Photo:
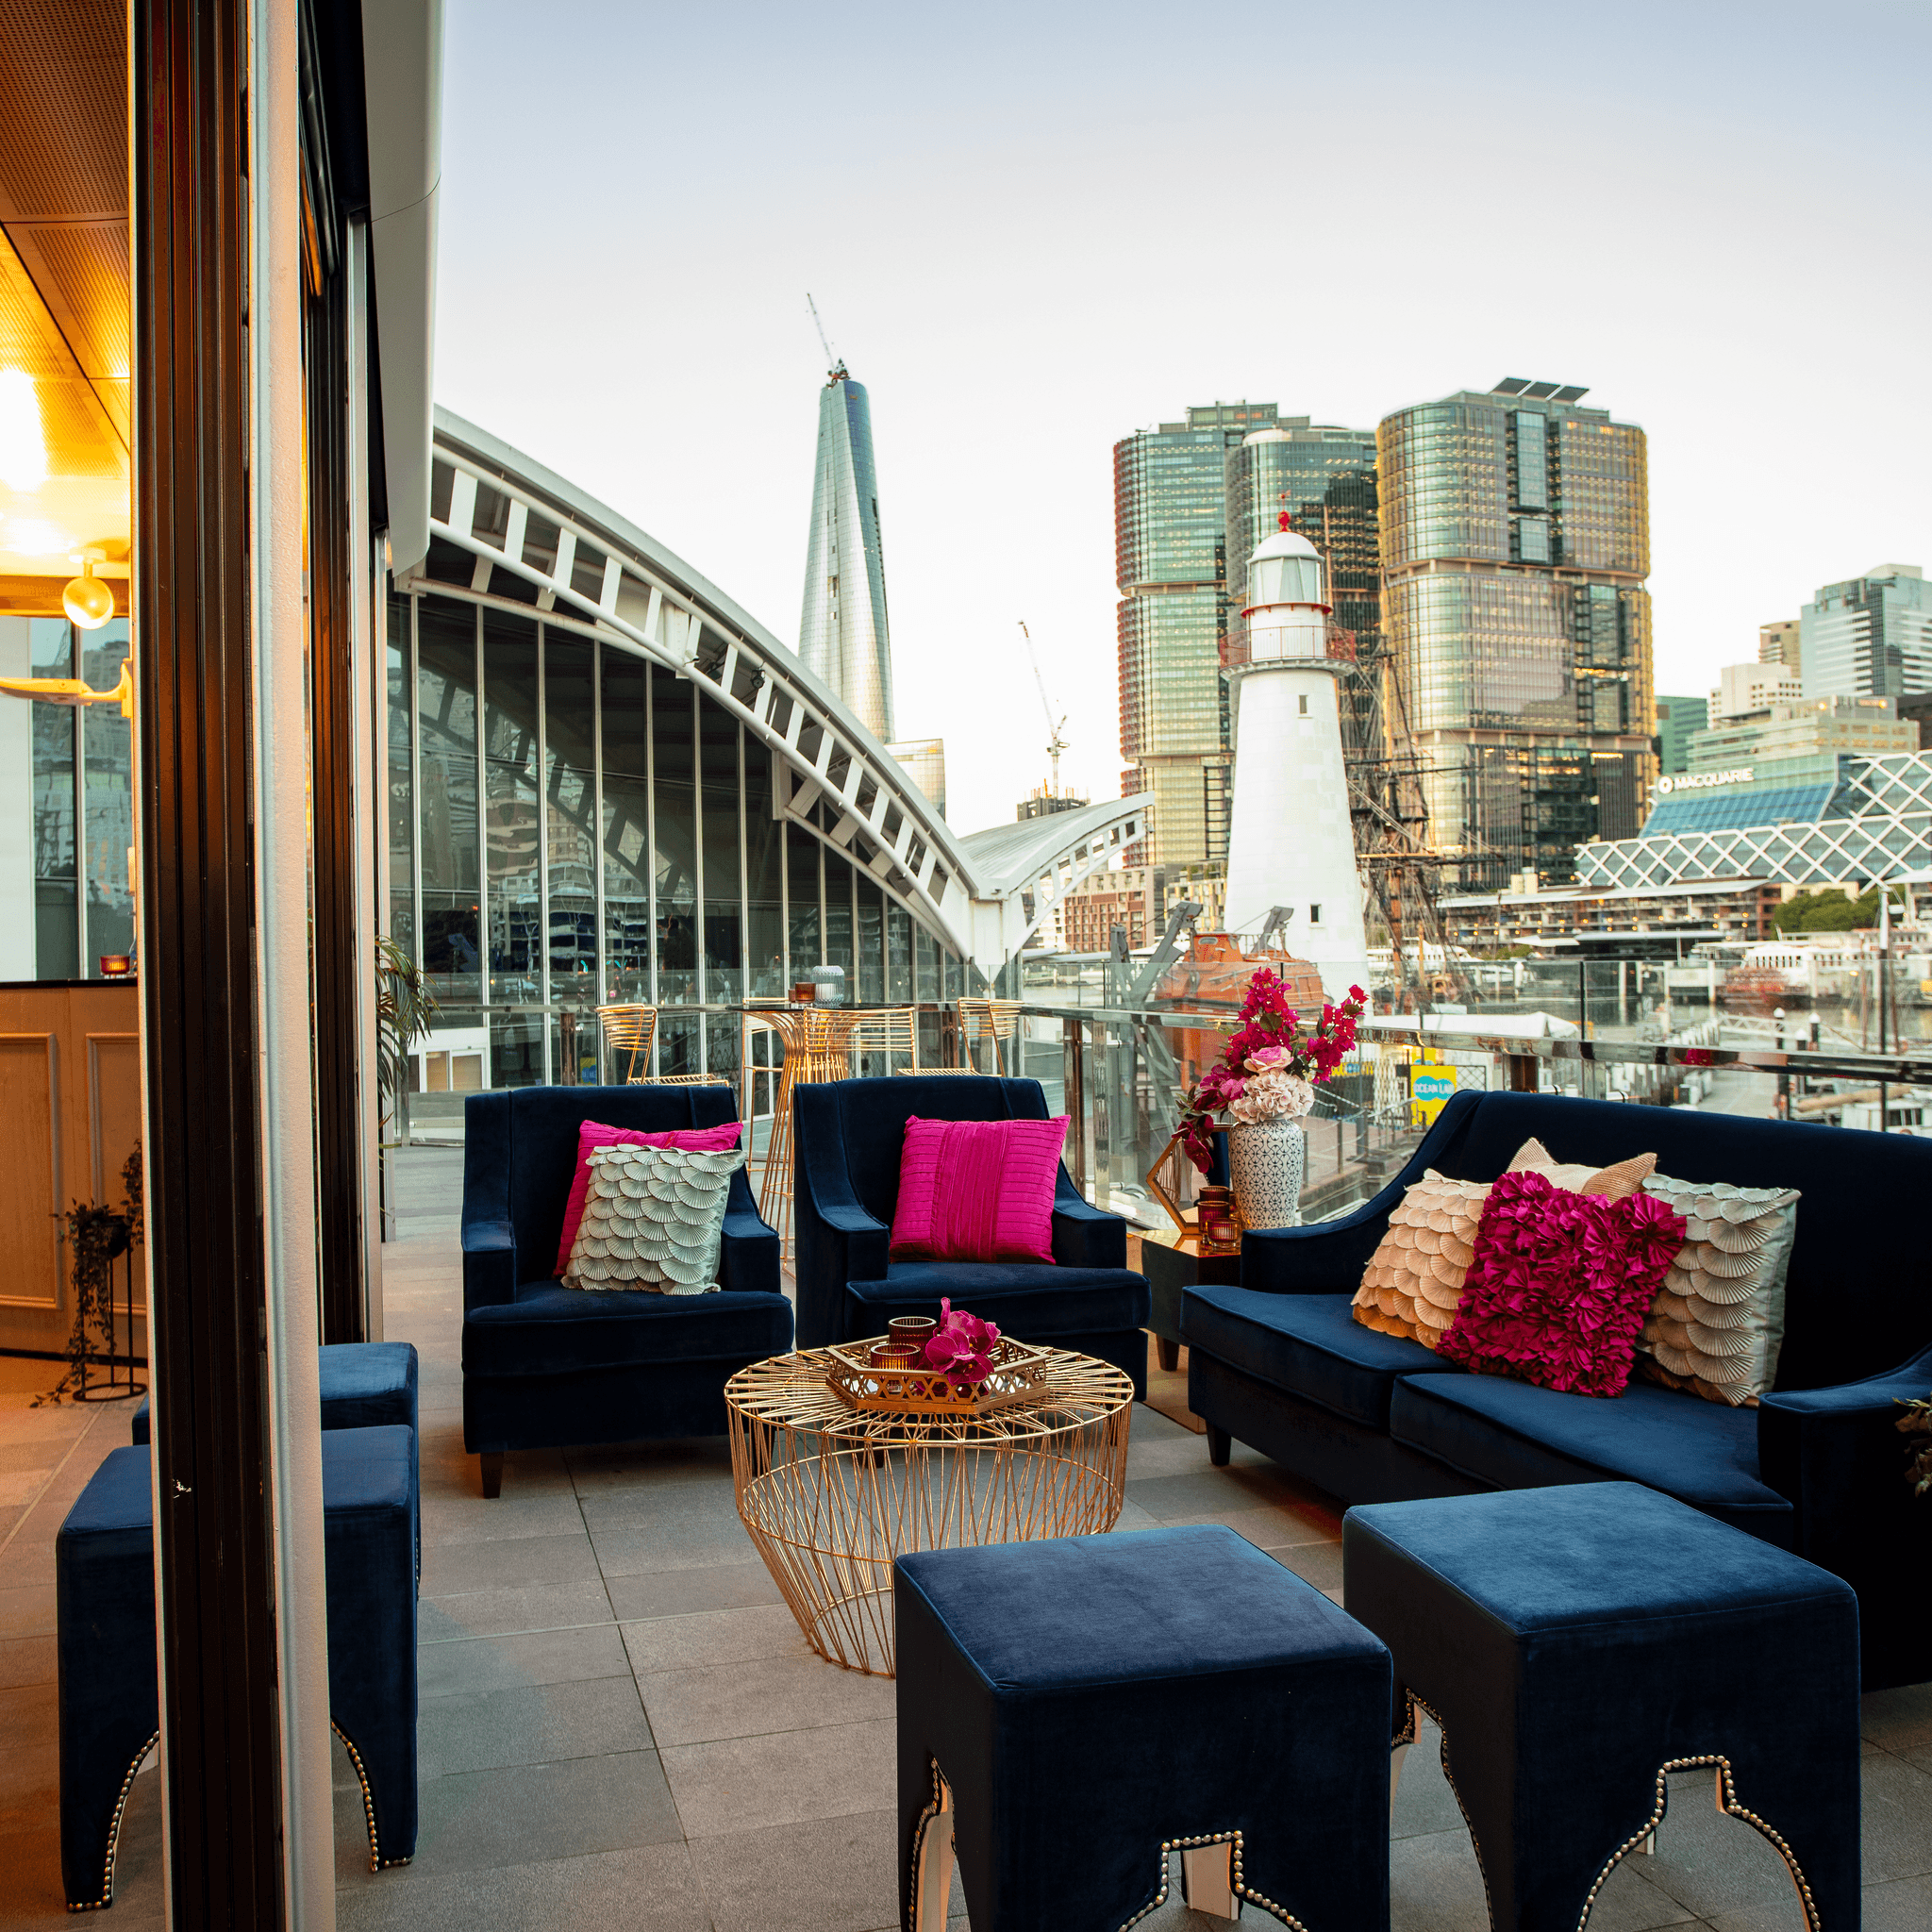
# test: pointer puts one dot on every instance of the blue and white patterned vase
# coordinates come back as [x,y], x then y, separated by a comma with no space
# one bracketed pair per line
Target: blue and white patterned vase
[1266,1161]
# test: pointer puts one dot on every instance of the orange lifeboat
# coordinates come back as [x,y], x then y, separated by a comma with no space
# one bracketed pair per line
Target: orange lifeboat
[1213,973]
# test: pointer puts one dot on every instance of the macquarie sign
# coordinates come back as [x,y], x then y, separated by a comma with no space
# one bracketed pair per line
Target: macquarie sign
[1702,781]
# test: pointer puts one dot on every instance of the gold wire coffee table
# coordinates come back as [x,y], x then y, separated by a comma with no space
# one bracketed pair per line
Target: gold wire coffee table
[831,1495]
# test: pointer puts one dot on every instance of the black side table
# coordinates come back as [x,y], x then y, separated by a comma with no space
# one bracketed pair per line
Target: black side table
[1168,1271]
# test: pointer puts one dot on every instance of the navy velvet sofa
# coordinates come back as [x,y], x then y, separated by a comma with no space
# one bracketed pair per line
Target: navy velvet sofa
[1817,1468]
[849,1134]
[549,1367]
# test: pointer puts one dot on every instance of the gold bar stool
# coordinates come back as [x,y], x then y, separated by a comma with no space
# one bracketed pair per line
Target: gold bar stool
[630,1029]
[889,1030]
[818,1046]
[994,1020]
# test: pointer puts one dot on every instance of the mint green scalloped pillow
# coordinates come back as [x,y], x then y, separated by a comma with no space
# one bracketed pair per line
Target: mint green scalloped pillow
[654,1218]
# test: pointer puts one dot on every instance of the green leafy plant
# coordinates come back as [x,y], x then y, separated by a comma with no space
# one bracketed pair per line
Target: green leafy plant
[406,1010]
[1916,1424]
[1829,912]
[97,1238]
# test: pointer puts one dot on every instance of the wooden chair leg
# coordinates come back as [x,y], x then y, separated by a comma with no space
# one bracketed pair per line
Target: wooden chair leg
[492,1461]
[1219,1445]
[1167,1352]
[932,1885]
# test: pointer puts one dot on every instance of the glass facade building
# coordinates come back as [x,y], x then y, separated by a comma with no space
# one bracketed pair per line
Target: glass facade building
[842,632]
[1677,720]
[1171,553]
[1870,637]
[1515,543]
[606,785]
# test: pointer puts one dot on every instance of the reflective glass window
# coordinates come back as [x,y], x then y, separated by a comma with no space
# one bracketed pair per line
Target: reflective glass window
[447,811]
[802,882]
[106,801]
[872,939]
[509,803]
[898,953]
[723,866]
[400,739]
[56,857]
[570,806]
[764,879]
[674,859]
[839,916]
[626,826]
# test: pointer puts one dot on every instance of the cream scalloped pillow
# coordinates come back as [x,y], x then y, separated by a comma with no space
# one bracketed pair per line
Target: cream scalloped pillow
[1414,1279]
[654,1218]
[1718,1322]
[1613,1183]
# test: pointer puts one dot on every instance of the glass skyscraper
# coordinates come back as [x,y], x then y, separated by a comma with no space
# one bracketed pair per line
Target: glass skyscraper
[842,632]
[1171,567]
[1870,637]
[1515,544]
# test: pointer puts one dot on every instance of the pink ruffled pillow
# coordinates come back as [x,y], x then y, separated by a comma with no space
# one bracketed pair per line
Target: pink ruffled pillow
[1559,1285]
[978,1190]
[592,1134]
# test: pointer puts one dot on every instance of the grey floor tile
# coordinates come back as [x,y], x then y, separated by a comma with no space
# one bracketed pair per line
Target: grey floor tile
[566,1810]
[504,1664]
[649,1888]
[27,1611]
[479,1519]
[1261,1509]
[660,1465]
[27,1660]
[1316,1563]
[536,1723]
[1133,1518]
[1905,1904]
[744,1783]
[1897,1836]
[528,1606]
[773,1693]
[1712,1864]
[1435,1885]
[827,1876]
[720,1637]
[1423,1802]
[686,1593]
[1898,1720]
[678,1539]
[509,1563]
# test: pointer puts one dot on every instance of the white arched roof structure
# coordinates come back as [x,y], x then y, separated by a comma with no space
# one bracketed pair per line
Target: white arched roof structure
[982,897]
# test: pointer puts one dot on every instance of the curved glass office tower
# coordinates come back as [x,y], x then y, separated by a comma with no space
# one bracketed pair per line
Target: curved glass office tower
[843,635]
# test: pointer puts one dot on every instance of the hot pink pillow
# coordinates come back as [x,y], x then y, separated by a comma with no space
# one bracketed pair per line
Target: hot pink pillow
[594,1134]
[978,1190]
[1559,1285]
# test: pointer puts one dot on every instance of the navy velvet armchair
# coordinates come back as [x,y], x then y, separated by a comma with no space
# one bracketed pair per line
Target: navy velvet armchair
[1817,1467]
[849,1134]
[547,1367]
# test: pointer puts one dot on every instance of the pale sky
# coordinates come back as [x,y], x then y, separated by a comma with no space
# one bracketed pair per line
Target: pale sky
[1032,230]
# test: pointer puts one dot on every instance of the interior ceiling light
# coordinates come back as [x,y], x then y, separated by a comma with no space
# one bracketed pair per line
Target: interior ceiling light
[88,601]
[33,536]
[23,444]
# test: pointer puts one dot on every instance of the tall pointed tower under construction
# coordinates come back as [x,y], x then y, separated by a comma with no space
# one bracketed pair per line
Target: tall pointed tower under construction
[843,635]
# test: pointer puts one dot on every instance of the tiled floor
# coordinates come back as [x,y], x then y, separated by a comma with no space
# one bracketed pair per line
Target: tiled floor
[621,1727]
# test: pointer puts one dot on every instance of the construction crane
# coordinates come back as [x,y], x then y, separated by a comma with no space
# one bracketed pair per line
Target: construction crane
[1055,743]
[835,367]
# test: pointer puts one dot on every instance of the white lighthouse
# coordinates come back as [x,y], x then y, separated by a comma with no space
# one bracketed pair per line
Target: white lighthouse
[1291,842]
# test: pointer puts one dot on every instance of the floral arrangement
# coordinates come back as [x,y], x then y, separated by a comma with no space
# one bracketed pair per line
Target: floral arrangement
[1917,1421]
[1272,1064]
[962,1345]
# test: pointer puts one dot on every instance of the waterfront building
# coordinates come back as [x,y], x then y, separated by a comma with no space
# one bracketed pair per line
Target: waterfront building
[1746,691]
[843,635]
[1515,546]
[1676,719]
[1869,637]
[1170,568]
[1824,820]
[1780,643]
[1123,898]
[1659,921]
[1801,728]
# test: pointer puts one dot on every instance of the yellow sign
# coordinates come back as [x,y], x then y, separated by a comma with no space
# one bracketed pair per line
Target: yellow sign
[1428,1089]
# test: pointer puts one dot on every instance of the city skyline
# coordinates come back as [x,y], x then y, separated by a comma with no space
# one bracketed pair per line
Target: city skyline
[991,178]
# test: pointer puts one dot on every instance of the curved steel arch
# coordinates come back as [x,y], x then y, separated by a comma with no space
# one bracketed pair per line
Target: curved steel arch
[646,601]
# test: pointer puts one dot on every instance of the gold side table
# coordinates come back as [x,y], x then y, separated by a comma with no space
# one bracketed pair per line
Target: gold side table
[831,1495]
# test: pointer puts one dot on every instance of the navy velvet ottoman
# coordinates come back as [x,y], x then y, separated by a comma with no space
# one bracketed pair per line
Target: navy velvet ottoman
[1072,1710]
[109,1704]
[1577,1644]
[363,1384]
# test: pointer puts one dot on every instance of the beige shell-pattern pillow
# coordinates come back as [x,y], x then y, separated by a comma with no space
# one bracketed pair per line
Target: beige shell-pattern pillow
[1414,1279]
[1613,1183]
[1718,1322]
[654,1219]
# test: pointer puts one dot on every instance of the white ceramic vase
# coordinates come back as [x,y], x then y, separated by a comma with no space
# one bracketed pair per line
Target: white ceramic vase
[1266,1161]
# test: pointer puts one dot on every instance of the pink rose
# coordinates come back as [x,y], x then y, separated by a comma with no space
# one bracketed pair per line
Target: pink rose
[1269,1059]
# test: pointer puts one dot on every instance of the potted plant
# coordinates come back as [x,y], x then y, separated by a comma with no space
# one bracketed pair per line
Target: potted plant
[1264,1082]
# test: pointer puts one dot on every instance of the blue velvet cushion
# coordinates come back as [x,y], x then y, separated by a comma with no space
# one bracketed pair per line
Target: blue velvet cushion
[1309,1344]
[550,1329]
[1517,1436]
[1574,1641]
[1089,1697]
[1026,1298]
[363,1384]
